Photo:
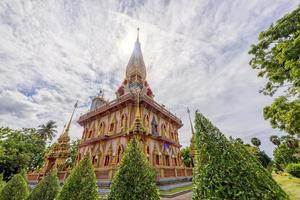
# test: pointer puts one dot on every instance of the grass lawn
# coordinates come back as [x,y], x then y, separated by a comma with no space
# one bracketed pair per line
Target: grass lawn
[290,185]
[175,190]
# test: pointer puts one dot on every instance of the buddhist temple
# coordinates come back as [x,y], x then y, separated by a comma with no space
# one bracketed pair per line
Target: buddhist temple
[108,126]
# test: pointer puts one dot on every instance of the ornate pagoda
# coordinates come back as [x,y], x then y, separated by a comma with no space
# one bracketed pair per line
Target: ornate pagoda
[109,125]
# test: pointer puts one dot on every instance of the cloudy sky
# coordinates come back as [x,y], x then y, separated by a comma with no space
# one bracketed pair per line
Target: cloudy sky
[54,52]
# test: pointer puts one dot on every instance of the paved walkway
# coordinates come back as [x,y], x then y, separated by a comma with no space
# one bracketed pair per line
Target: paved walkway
[187,196]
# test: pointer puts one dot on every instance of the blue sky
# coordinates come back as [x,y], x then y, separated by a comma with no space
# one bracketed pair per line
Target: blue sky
[54,52]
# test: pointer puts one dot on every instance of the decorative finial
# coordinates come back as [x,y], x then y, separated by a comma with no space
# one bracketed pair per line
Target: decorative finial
[189,113]
[101,93]
[138,34]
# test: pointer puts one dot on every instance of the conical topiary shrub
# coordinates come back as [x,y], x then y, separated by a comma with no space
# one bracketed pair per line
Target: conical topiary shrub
[15,189]
[47,188]
[81,183]
[224,169]
[135,178]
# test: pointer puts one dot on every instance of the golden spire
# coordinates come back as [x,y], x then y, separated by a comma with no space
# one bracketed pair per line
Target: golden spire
[66,131]
[136,65]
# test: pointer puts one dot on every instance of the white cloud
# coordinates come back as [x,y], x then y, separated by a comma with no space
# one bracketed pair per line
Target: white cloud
[54,52]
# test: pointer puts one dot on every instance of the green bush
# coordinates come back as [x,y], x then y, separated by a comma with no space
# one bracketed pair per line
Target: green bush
[15,189]
[81,183]
[225,169]
[135,178]
[284,155]
[293,169]
[47,188]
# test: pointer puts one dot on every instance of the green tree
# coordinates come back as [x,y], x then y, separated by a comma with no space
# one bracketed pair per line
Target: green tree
[275,140]
[224,169]
[22,149]
[186,156]
[284,155]
[256,142]
[135,178]
[15,189]
[47,131]
[47,189]
[276,58]
[81,184]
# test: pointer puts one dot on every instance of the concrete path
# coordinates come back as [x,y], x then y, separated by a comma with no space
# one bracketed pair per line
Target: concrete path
[187,196]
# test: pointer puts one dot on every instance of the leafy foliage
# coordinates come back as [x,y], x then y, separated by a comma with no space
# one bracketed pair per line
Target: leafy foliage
[135,178]
[186,156]
[284,155]
[2,182]
[276,57]
[284,114]
[73,150]
[15,189]
[47,188]
[22,149]
[224,169]
[256,142]
[275,140]
[294,169]
[47,131]
[81,183]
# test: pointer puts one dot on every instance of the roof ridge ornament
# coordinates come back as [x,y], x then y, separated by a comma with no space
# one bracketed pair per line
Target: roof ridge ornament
[138,35]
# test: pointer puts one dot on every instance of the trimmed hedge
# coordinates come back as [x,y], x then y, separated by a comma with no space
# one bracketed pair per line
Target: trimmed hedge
[224,169]
[135,178]
[293,169]
[15,189]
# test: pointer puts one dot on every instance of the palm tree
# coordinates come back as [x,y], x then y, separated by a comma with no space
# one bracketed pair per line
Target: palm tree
[47,131]
[275,140]
[256,142]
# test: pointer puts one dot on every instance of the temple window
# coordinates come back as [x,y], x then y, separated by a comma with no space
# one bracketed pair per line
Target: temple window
[157,159]
[163,130]
[90,134]
[101,128]
[94,160]
[167,158]
[112,126]
[146,121]
[106,162]
[119,154]
[154,127]
[123,121]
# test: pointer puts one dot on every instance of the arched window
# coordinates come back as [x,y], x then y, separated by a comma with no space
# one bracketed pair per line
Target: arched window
[124,122]
[154,127]
[101,128]
[90,134]
[106,161]
[119,155]
[167,159]
[146,121]
[157,159]
[163,130]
